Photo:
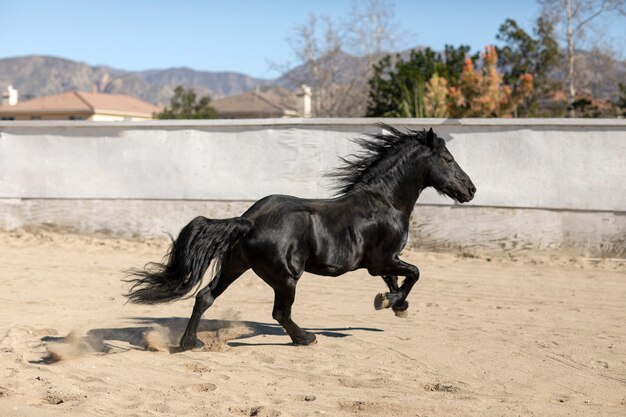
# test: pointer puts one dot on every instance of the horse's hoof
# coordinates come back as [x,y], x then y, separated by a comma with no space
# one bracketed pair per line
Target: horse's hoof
[190,343]
[401,309]
[308,339]
[381,301]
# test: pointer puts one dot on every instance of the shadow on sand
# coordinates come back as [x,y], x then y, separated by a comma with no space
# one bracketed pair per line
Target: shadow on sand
[163,334]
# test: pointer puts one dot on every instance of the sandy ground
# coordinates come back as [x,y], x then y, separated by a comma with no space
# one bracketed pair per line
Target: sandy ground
[484,337]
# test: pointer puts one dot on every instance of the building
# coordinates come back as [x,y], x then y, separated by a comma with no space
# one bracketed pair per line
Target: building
[77,105]
[265,103]
[10,97]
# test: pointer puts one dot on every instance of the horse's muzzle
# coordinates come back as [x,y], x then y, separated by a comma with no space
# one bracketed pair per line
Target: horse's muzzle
[468,195]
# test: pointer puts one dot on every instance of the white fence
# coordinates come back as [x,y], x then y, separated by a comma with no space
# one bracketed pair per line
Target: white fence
[547,184]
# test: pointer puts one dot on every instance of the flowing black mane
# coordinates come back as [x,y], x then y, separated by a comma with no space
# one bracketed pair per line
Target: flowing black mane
[380,153]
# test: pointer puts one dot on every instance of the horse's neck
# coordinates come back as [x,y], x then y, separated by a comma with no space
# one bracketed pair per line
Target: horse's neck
[401,191]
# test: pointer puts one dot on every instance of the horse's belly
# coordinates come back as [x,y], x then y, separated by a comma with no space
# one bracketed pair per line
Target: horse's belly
[332,261]
[327,270]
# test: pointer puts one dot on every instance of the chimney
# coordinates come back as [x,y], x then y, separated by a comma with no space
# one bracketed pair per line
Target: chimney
[10,97]
[305,93]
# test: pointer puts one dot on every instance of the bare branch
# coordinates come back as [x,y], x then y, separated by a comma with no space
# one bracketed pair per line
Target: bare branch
[336,57]
[605,7]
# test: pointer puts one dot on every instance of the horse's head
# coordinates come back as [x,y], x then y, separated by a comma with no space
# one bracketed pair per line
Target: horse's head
[444,174]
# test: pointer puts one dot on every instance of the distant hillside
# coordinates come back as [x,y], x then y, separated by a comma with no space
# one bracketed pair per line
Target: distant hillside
[36,76]
[348,66]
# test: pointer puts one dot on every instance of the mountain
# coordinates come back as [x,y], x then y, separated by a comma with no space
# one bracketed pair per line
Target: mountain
[344,68]
[36,76]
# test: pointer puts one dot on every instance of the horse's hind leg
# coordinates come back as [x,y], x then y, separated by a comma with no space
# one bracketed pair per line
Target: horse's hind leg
[205,298]
[284,296]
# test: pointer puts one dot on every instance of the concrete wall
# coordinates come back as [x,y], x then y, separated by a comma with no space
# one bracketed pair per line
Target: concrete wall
[543,184]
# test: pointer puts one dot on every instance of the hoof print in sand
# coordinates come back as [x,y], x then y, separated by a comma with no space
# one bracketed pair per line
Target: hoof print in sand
[56,398]
[441,387]
[263,412]
[206,387]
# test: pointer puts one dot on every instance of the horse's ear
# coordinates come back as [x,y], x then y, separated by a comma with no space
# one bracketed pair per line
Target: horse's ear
[430,137]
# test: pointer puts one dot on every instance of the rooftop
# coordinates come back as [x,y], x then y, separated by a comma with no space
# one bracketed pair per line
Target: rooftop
[83,102]
[272,102]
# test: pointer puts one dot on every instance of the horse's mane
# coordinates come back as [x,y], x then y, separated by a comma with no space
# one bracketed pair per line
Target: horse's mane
[380,153]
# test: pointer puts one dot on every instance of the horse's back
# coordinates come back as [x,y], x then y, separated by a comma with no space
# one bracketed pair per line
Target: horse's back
[273,205]
[298,234]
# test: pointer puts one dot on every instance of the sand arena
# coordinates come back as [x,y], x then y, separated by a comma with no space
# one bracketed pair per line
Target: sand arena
[485,336]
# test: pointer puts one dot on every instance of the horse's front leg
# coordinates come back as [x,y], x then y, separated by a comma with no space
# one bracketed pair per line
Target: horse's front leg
[396,297]
[391,281]
[400,308]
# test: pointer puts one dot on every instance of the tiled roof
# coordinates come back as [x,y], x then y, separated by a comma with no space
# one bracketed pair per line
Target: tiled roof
[262,103]
[78,101]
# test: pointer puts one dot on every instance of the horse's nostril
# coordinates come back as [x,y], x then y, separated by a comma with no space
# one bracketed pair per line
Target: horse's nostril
[473,189]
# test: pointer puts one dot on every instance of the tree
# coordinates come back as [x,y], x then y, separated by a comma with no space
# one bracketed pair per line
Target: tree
[335,57]
[410,101]
[621,101]
[436,97]
[398,83]
[598,73]
[185,105]
[525,54]
[482,93]
[573,19]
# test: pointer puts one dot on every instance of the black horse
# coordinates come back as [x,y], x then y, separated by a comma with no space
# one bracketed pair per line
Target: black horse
[280,237]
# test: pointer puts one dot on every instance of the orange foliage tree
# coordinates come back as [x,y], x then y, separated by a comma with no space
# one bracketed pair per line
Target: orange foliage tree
[482,93]
[436,97]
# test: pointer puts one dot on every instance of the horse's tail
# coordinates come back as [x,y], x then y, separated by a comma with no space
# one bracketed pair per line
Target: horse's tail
[201,241]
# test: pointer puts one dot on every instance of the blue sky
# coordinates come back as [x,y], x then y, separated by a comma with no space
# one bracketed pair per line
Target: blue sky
[235,35]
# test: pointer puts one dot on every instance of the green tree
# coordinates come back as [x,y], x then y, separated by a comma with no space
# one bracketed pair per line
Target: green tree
[185,105]
[410,102]
[397,85]
[525,54]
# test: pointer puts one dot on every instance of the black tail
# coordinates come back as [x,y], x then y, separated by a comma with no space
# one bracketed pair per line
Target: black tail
[201,241]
